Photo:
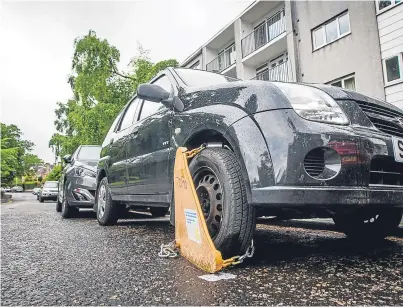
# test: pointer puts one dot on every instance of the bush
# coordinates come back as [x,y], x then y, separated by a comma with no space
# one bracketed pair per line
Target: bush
[55,174]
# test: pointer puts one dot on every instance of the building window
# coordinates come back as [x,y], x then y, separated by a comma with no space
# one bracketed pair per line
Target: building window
[331,31]
[393,68]
[195,65]
[381,5]
[345,82]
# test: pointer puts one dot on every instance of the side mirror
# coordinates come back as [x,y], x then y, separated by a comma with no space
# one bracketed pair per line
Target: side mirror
[152,92]
[67,158]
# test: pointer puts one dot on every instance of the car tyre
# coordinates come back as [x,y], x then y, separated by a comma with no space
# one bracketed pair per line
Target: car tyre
[368,226]
[108,211]
[40,199]
[159,211]
[58,205]
[67,210]
[221,189]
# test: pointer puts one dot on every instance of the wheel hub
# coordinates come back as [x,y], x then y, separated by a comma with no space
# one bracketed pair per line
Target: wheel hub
[101,201]
[210,193]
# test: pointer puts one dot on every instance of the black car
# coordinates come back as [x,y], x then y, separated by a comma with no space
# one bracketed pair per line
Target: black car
[272,148]
[78,181]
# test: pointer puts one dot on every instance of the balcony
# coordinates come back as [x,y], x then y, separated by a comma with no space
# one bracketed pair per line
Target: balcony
[281,72]
[272,28]
[224,60]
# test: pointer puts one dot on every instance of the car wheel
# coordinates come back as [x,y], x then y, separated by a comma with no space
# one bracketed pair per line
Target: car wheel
[40,199]
[58,205]
[107,210]
[222,194]
[159,211]
[67,210]
[368,225]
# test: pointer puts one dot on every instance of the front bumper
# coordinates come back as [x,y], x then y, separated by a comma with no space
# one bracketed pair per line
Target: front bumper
[81,191]
[328,197]
[49,196]
[290,138]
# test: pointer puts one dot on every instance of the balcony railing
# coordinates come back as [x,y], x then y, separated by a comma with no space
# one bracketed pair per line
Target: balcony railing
[224,60]
[281,72]
[273,27]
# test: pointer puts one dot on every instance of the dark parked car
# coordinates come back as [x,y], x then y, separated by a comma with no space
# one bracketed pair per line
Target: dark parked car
[279,149]
[48,191]
[78,183]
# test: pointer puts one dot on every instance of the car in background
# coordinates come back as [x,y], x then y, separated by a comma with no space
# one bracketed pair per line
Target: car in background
[77,184]
[35,191]
[17,189]
[48,191]
[7,189]
[286,149]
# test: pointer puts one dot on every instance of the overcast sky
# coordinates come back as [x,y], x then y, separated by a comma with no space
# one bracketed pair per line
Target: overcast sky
[37,45]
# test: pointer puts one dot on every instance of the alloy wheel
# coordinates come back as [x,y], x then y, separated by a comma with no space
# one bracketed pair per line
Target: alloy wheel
[210,193]
[101,201]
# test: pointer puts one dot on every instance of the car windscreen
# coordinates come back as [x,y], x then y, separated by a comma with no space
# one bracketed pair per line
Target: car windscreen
[194,77]
[50,185]
[89,153]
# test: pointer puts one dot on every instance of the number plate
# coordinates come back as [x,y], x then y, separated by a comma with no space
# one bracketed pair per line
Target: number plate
[398,148]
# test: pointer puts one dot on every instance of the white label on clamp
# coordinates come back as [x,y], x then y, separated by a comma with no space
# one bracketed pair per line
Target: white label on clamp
[192,225]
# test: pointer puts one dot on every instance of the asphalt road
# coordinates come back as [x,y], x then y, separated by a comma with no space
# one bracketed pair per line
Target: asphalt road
[47,260]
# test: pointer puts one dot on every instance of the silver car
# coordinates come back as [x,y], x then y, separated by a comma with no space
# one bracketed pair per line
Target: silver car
[49,191]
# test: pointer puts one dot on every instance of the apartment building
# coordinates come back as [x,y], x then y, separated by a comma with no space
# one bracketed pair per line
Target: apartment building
[356,45]
[390,25]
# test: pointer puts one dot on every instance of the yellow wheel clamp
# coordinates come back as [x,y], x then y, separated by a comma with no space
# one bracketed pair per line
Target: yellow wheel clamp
[191,234]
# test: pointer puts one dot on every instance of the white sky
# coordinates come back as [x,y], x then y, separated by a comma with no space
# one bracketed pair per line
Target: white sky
[36,46]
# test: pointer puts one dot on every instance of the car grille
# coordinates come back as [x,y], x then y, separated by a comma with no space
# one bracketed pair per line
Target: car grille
[386,171]
[383,118]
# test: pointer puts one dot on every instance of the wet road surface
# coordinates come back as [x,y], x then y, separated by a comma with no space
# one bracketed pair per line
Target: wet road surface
[47,260]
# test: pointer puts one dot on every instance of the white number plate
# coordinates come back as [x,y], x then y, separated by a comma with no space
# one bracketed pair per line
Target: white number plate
[398,148]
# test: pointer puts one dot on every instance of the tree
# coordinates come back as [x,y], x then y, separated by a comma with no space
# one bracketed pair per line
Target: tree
[55,173]
[99,92]
[16,159]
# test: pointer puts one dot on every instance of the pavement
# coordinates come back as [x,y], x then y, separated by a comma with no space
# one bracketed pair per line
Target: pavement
[47,260]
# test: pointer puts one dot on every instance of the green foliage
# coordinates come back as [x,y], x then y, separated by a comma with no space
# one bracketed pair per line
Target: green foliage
[55,173]
[100,91]
[16,159]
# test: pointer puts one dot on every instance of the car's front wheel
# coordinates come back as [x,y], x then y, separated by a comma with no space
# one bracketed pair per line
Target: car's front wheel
[58,205]
[222,194]
[368,225]
[40,199]
[67,210]
[107,210]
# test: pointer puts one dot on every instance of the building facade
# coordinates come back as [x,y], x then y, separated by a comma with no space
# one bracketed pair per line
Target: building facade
[390,26]
[356,45]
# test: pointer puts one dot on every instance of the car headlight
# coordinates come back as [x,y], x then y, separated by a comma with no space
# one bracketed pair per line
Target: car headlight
[84,172]
[313,104]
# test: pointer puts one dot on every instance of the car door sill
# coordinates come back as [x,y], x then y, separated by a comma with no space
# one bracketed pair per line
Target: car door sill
[156,198]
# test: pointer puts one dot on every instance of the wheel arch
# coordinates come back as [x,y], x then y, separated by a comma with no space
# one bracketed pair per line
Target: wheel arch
[214,136]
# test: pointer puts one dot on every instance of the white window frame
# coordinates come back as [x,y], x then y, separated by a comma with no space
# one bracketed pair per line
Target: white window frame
[400,63]
[393,4]
[343,79]
[323,29]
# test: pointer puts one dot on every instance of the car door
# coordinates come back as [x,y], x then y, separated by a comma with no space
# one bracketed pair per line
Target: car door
[149,151]
[117,174]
